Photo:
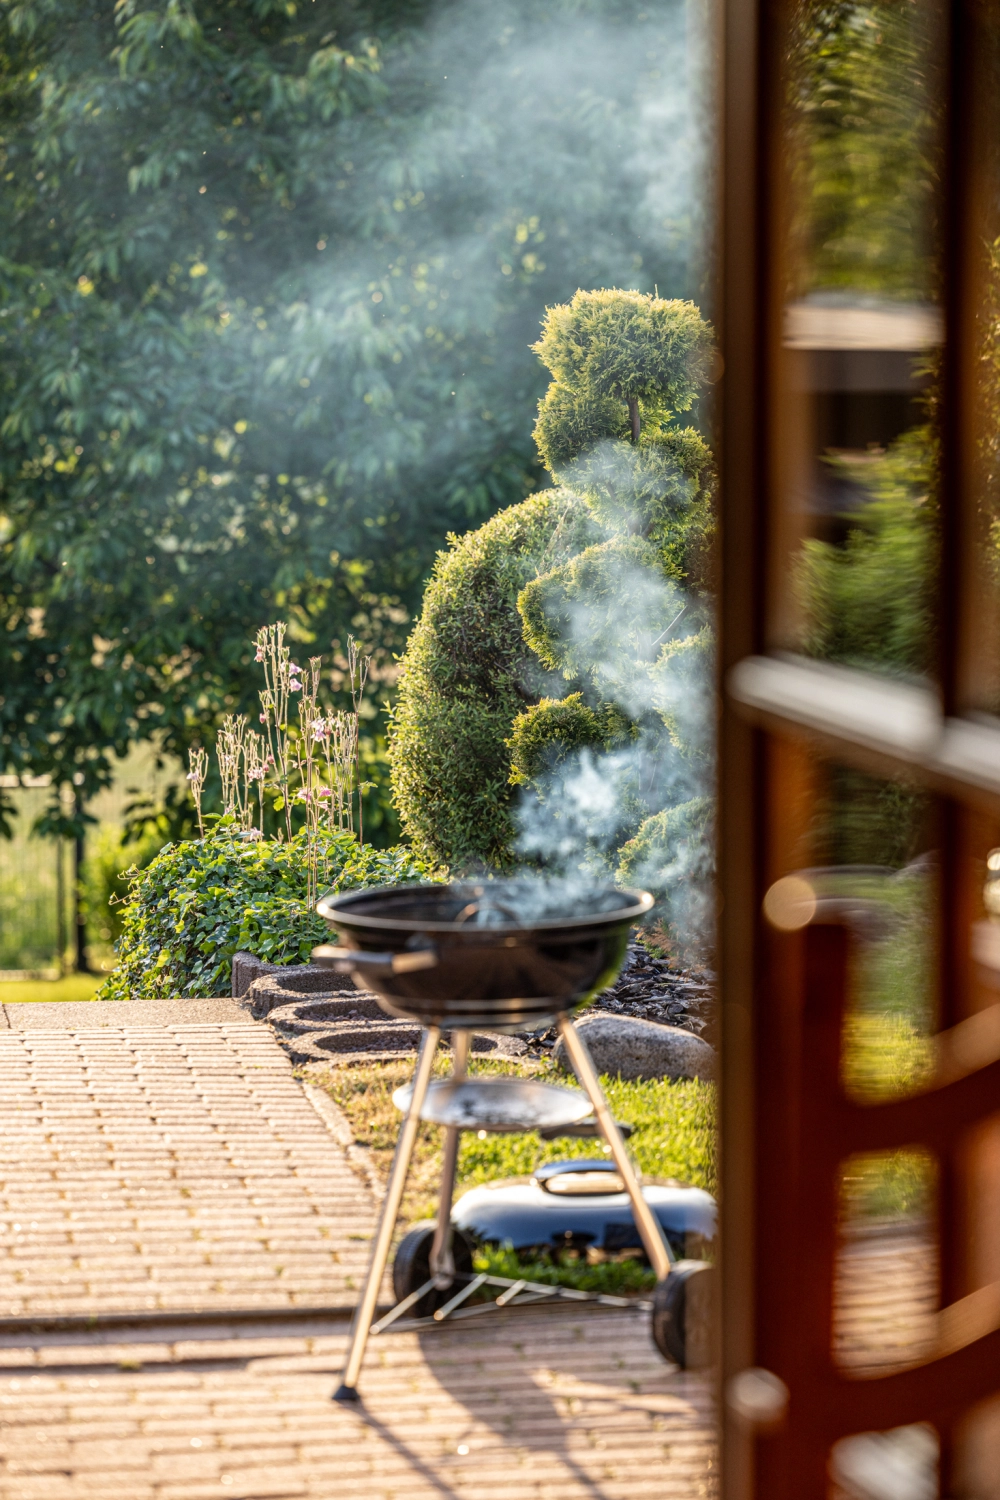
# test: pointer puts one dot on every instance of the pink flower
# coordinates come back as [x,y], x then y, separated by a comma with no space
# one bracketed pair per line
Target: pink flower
[263,718]
[295,687]
[260,654]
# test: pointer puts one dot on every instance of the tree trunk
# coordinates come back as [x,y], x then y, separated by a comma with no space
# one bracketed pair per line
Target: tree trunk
[79,916]
[60,908]
[633,412]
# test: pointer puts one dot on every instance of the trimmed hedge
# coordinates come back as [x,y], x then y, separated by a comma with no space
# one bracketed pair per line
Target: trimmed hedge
[545,734]
[200,902]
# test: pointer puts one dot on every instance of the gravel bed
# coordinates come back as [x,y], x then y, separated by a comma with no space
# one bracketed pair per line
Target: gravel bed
[652,989]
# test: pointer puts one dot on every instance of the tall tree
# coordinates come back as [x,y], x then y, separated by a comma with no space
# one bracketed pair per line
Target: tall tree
[268,277]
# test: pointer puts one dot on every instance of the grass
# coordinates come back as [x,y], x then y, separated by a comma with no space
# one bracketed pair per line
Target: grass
[73,987]
[888,1185]
[616,1278]
[674,1129]
[885,1057]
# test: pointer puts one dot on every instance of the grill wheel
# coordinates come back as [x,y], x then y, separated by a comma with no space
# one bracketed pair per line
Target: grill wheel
[682,1314]
[412,1267]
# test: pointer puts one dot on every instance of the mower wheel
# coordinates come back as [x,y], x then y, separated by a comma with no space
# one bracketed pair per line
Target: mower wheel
[682,1314]
[412,1267]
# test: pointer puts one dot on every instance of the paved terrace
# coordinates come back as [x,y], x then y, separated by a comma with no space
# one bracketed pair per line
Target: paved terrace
[184,1225]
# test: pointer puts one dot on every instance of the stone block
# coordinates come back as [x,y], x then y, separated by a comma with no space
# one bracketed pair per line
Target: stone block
[301,979]
[633,1049]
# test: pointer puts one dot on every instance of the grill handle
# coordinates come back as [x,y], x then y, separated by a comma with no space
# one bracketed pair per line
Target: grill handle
[343,960]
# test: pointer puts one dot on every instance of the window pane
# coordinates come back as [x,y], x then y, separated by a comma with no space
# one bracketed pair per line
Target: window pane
[979,598]
[860,326]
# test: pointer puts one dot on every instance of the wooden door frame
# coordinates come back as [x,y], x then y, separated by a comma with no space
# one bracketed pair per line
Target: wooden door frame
[762,698]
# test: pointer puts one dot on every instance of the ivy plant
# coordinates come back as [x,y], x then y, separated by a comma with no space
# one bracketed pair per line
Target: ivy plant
[202,900]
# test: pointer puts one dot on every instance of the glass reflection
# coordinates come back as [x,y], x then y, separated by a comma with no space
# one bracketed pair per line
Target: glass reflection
[872,841]
[869,843]
[898,1465]
[979,686]
[886,1287]
[861,326]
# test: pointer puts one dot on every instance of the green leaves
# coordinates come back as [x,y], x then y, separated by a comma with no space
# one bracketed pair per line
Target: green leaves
[200,902]
[545,734]
[608,599]
[608,348]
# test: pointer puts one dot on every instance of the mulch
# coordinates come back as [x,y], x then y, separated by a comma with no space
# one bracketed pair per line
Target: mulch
[657,989]
[651,988]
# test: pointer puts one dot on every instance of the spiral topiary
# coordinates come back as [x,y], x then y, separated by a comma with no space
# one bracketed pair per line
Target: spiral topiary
[467,674]
[554,628]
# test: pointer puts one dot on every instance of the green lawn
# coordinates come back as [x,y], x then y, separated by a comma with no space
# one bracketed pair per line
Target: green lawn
[674,1129]
[674,1137]
[73,987]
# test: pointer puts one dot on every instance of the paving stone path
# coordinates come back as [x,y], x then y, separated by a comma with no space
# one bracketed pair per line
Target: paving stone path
[543,1407]
[167,1168]
[161,1170]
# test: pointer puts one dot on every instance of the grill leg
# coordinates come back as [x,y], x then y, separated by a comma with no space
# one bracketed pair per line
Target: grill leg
[646,1221]
[442,1260]
[347,1390]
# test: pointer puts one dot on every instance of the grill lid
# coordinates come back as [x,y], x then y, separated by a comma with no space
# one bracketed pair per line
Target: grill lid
[502,906]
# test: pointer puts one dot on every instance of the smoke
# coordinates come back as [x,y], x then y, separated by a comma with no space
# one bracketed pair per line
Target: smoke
[523,152]
[641,813]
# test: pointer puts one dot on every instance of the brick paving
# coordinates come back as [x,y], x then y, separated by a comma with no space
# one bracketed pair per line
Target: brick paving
[160,1170]
[886,1299]
[169,1168]
[163,1170]
[539,1406]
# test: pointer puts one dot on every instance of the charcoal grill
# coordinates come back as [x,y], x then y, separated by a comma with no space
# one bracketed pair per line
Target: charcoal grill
[499,955]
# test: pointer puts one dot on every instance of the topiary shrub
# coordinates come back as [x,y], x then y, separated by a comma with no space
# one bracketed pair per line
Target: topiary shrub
[200,902]
[544,735]
[467,674]
[553,630]
[672,855]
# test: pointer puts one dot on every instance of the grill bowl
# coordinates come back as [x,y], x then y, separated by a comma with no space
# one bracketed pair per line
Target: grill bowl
[507,955]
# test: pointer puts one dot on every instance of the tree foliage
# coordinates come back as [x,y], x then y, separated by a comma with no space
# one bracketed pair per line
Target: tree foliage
[268,274]
[866,145]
